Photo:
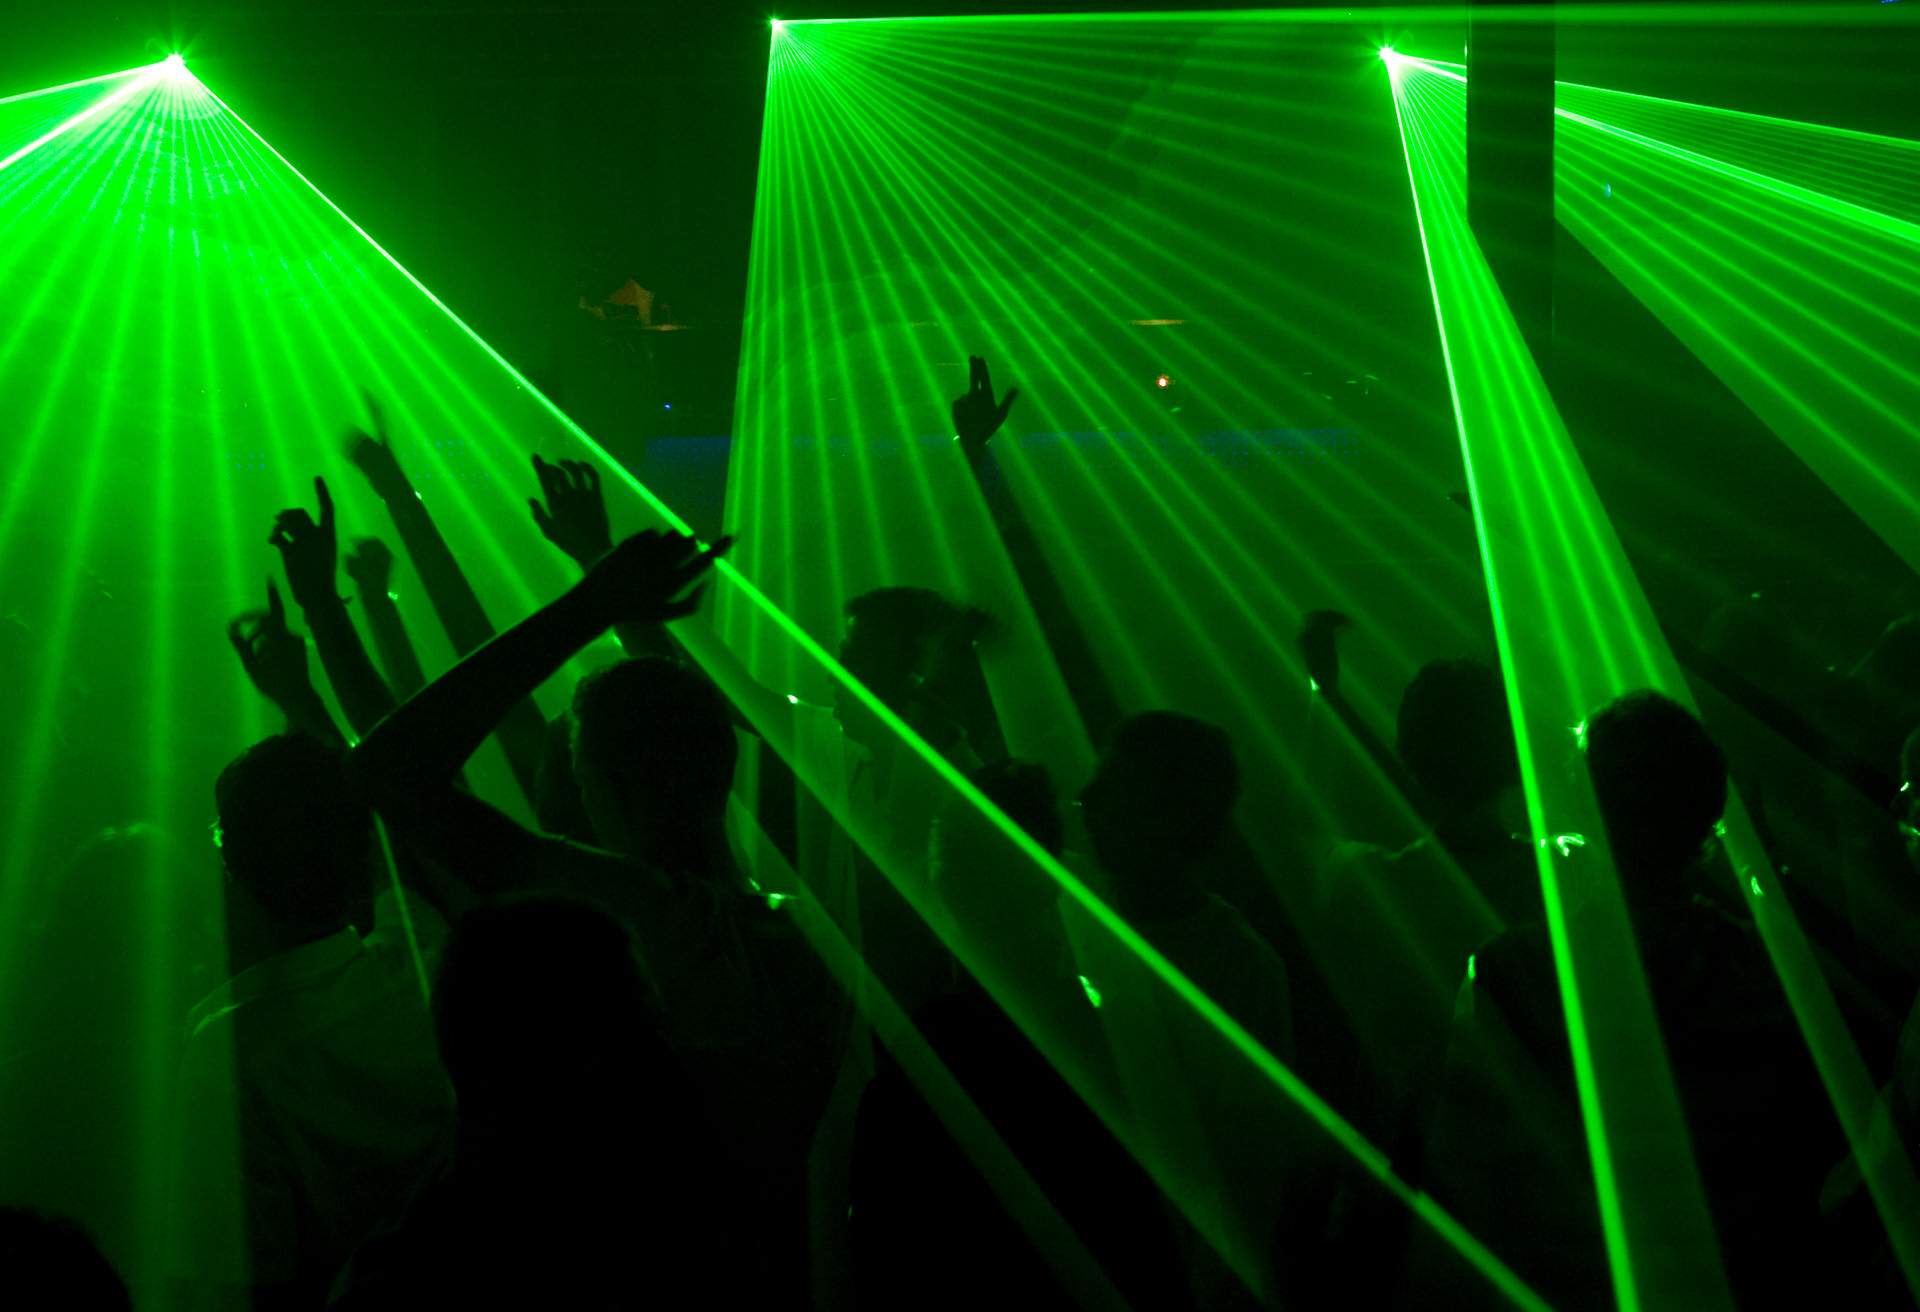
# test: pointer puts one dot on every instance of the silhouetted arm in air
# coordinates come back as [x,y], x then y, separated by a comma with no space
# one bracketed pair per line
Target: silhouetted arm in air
[977,416]
[522,729]
[275,659]
[405,767]
[571,513]
[420,747]
[370,565]
[308,551]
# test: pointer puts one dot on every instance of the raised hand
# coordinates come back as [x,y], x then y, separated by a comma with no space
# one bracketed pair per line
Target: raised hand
[651,578]
[574,517]
[369,564]
[1320,644]
[308,550]
[976,416]
[274,657]
[372,455]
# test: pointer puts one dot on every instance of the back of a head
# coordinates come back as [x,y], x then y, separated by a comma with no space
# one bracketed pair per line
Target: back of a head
[657,733]
[293,833]
[1455,735]
[907,617]
[980,874]
[1164,792]
[541,1005]
[903,633]
[49,1261]
[1660,780]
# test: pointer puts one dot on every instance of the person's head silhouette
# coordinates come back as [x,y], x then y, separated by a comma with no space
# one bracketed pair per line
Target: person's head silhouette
[1455,737]
[297,842]
[905,644]
[654,753]
[1661,783]
[1161,799]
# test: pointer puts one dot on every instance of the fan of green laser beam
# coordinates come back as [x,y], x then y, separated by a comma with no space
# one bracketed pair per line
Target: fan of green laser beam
[1546,541]
[880,95]
[1798,298]
[1839,166]
[50,160]
[1807,309]
[844,86]
[30,120]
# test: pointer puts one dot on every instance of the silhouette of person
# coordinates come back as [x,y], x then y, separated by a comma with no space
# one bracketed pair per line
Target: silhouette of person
[1508,1154]
[1395,928]
[310,1095]
[585,1175]
[748,1007]
[1161,799]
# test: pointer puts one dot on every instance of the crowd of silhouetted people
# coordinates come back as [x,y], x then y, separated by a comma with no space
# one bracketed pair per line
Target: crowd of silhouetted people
[839,1037]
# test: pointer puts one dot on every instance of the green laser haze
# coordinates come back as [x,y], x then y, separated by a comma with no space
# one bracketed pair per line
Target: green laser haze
[158,183]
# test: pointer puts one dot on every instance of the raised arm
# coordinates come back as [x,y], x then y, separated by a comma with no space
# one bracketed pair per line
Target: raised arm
[977,416]
[370,565]
[522,729]
[309,550]
[275,659]
[650,578]
[571,513]
[405,766]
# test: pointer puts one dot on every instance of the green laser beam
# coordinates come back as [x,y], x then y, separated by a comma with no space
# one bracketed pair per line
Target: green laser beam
[84,116]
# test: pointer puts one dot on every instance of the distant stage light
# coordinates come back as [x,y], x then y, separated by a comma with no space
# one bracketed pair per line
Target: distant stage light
[1386,54]
[1163,381]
